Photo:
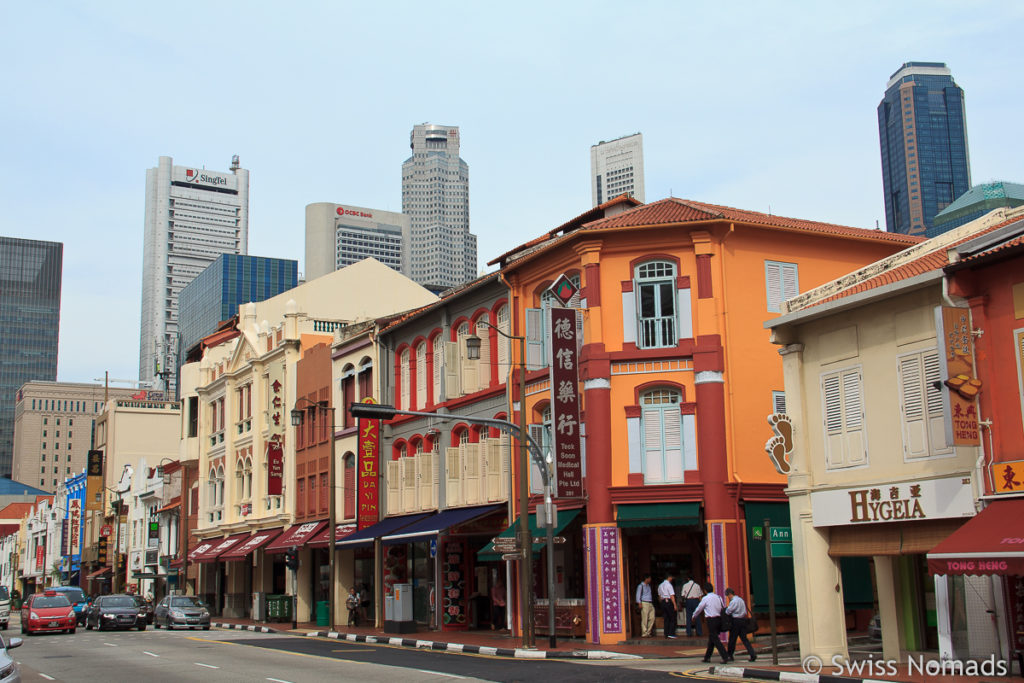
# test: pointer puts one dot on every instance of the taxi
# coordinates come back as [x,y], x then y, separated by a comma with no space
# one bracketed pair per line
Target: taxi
[47,612]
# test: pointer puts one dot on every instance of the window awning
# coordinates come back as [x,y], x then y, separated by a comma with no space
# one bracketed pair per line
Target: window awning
[296,536]
[98,573]
[431,526]
[386,526]
[246,548]
[991,542]
[201,549]
[218,548]
[323,539]
[565,517]
[640,515]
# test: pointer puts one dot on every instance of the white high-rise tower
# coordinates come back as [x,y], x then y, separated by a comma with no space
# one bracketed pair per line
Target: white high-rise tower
[193,215]
[435,196]
[617,167]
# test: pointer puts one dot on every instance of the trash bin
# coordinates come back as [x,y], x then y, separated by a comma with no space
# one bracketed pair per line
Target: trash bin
[323,614]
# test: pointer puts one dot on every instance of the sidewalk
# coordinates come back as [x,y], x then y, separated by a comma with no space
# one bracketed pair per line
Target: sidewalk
[502,644]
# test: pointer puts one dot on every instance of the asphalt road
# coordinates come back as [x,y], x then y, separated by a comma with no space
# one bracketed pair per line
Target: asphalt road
[221,656]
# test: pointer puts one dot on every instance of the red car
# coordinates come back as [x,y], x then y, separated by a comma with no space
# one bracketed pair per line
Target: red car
[47,613]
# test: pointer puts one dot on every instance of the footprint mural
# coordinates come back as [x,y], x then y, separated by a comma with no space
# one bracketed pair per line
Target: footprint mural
[780,446]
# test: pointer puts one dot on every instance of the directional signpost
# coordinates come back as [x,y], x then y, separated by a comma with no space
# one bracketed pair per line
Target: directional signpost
[781,539]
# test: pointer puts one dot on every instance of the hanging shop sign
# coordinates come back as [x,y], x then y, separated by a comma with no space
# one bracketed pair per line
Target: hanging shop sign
[894,502]
[94,481]
[275,468]
[368,507]
[957,373]
[1008,477]
[565,402]
[75,525]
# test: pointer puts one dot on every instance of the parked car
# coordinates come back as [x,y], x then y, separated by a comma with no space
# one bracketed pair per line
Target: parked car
[78,601]
[181,610]
[5,607]
[146,604]
[47,612]
[9,671]
[116,611]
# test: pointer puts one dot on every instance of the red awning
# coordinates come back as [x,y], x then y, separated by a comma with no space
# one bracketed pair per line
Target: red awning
[991,542]
[242,550]
[202,548]
[218,548]
[296,536]
[98,573]
[323,539]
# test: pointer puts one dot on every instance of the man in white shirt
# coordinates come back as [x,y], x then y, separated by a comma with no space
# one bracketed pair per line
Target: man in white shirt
[712,606]
[667,598]
[646,604]
[737,609]
[690,595]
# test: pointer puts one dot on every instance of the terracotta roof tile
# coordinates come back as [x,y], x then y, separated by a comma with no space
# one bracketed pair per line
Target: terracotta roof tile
[402,318]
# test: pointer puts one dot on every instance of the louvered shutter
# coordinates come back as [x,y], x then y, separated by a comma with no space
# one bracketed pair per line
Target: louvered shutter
[934,403]
[404,398]
[576,302]
[421,376]
[438,367]
[470,368]
[536,356]
[394,487]
[452,387]
[853,418]
[654,455]
[673,443]
[537,433]
[484,364]
[773,285]
[833,419]
[473,481]
[790,281]
[453,477]
[915,429]
[504,344]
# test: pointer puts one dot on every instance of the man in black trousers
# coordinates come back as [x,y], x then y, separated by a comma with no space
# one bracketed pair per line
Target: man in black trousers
[712,606]
[667,598]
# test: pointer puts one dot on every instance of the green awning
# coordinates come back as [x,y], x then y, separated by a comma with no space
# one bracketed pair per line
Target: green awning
[658,514]
[487,553]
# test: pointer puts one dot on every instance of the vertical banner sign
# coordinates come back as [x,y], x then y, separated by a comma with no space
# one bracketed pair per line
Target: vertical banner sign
[40,556]
[275,440]
[369,494]
[94,482]
[565,402]
[64,550]
[611,597]
[75,529]
[957,372]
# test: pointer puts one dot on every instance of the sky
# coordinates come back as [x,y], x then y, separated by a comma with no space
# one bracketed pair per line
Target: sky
[768,106]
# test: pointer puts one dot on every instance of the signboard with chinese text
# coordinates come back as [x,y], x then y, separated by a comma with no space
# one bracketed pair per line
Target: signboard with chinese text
[94,481]
[1008,477]
[368,501]
[894,502]
[565,404]
[75,529]
[64,538]
[275,468]
[40,556]
[953,326]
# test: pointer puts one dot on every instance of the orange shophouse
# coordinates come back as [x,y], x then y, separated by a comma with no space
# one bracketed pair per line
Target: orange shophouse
[678,378]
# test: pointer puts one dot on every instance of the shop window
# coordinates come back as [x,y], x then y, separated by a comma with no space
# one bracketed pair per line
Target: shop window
[843,406]
[781,283]
[921,406]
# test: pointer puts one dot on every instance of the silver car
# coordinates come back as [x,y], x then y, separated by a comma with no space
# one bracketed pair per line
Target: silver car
[9,671]
[181,610]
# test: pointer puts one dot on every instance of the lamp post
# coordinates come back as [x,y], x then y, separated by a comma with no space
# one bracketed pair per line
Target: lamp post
[331,513]
[525,571]
[380,411]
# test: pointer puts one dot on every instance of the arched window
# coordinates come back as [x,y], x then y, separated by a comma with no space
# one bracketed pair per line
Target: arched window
[220,486]
[348,393]
[239,492]
[211,488]
[349,461]
[484,332]
[403,401]
[504,324]
[656,293]
[438,344]
[421,375]
[662,437]
[248,479]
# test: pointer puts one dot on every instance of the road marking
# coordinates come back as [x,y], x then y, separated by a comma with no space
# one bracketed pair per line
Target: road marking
[208,666]
[354,649]
[149,653]
[110,644]
[277,680]
[49,678]
[438,673]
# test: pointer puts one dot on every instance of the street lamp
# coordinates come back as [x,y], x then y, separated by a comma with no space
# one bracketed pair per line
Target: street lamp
[331,514]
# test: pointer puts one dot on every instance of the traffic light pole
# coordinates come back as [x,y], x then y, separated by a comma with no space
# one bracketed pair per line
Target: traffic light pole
[293,553]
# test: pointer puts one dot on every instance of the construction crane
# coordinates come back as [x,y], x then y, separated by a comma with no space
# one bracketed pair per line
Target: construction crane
[133,383]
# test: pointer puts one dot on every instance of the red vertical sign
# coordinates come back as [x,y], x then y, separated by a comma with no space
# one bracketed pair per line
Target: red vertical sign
[368,501]
[275,468]
[565,402]
[40,556]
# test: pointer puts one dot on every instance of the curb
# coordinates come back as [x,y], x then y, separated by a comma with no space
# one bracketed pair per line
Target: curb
[244,627]
[788,676]
[517,653]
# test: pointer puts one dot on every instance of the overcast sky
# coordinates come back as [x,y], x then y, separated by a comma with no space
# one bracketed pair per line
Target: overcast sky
[758,105]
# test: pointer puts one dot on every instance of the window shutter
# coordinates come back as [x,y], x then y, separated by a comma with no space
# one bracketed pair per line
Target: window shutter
[536,356]
[773,285]
[470,368]
[438,367]
[483,379]
[790,281]
[915,432]
[654,459]
[673,443]
[538,434]
[421,376]
[576,302]
[853,414]
[453,476]
[404,398]
[833,417]
[935,404]
[394,484]
[504,344]
[452,388]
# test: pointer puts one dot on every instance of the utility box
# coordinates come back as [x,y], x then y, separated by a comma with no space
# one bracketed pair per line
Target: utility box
[259,606]
[398,610]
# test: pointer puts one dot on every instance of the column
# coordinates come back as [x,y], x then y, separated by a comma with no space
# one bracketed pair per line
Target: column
[888,611]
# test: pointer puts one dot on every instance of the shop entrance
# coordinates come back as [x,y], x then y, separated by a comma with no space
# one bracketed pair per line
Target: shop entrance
[661,551]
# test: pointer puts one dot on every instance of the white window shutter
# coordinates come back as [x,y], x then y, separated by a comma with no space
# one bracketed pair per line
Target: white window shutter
[833,420]
[393,473]
[504,344]
[453,477]
[421,376]
[483,379]
[773,285]
[438,367]
[654,456]
[790,281]
[470,369]
[409,492]
[452,386]
[536,356]
[853,417]
[673,443]
[537,432]
[935,405]
[915,429]
[404,398]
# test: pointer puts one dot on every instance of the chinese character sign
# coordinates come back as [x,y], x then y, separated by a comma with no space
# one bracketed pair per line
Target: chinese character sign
[565,403]
[1008,476]
[94,481]
[275,401]
[957,343]
[368,501]
[275,468]
[75,517]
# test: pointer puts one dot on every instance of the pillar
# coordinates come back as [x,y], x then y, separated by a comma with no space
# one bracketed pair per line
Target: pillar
[888,609]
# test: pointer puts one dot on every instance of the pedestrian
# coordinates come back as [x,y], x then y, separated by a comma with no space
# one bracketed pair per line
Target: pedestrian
[737,609]
[667,596]
[646,604]
[712,606]
[690,594]
[498,606]
[353,604]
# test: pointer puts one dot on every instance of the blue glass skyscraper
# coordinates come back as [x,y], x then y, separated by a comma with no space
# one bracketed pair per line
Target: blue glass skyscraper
[30,277]
[215,294]
[922,132]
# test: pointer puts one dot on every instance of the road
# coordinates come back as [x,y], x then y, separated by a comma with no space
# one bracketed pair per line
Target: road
[223,656]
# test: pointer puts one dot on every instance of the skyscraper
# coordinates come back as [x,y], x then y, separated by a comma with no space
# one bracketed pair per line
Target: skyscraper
[30,279]
[192,217]
[435,196]
[338,235]
[922,131]
[231,280]
[617,167]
